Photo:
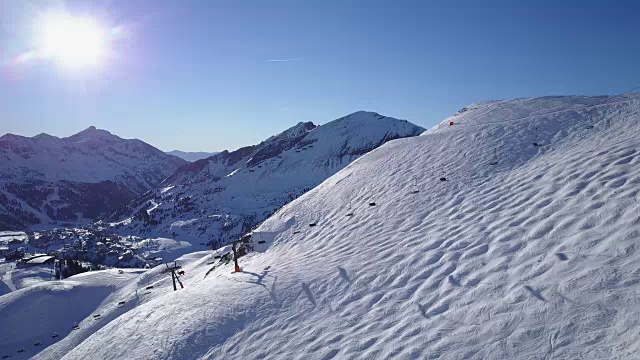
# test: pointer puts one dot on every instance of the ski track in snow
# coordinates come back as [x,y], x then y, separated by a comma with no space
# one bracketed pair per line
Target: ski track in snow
[532,258]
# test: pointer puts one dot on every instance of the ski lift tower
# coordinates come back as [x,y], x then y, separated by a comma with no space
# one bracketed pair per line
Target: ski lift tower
[234,244]
[173,269]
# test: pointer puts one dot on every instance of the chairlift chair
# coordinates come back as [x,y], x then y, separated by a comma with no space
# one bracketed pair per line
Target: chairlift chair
[495,157]
[415,187]
[350,213]
[536,143]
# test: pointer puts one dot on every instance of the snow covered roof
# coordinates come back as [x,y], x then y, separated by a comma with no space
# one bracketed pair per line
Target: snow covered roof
[39,259]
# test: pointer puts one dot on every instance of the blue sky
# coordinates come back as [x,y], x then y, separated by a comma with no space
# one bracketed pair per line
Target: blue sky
[196,75]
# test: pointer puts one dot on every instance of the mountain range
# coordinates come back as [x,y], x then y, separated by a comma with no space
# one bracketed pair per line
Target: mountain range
[191,155]
[45,179]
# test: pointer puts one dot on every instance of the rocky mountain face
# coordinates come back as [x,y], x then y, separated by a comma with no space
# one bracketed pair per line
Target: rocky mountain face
[45,179]
[214,200]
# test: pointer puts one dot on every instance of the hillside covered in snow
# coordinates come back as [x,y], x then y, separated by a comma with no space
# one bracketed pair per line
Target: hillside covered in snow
[216,200]
[47,179]
[508,231]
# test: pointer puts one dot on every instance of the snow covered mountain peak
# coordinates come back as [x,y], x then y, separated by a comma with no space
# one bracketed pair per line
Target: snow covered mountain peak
[488,112]
[232,191]
[94,134]
[300,128]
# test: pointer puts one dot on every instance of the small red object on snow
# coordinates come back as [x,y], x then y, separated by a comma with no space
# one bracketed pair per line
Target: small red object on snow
[450,123]
[238,268]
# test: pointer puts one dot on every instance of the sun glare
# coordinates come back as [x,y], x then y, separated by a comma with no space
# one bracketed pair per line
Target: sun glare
[72,41]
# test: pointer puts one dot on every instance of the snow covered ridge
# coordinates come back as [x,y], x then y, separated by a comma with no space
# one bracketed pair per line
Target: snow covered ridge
[212,201]
[45,178]
[534,256]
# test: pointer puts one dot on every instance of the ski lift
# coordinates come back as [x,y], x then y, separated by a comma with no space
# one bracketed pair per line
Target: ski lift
[415,187]
[442,177]
[121,304]
[96,316]
[55,335]
[75,327]
[495,157]
[350,213]
[536,143]
[37,343]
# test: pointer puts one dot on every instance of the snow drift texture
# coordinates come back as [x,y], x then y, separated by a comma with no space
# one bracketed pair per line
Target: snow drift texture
[534,257]
[45,178]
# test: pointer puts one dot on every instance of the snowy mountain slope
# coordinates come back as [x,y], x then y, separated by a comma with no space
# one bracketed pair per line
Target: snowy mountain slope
[45,178]
[38,313]
[220,198]
[89,300]
[191,155]
[534,257]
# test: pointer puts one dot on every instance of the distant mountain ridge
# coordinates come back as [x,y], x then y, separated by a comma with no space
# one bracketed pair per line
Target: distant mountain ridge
[45,178]
[191,155]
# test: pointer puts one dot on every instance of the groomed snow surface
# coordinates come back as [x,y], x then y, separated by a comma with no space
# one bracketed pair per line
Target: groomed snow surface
[532,258]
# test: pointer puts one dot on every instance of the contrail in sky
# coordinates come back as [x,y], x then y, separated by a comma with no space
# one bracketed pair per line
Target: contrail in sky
[283,60]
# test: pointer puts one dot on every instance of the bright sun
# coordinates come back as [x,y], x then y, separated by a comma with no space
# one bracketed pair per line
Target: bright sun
[72,41]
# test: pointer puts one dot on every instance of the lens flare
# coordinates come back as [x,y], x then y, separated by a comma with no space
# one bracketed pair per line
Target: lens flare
[72,41]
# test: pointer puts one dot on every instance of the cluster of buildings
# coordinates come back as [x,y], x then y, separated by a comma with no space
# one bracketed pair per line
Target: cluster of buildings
[88,245]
